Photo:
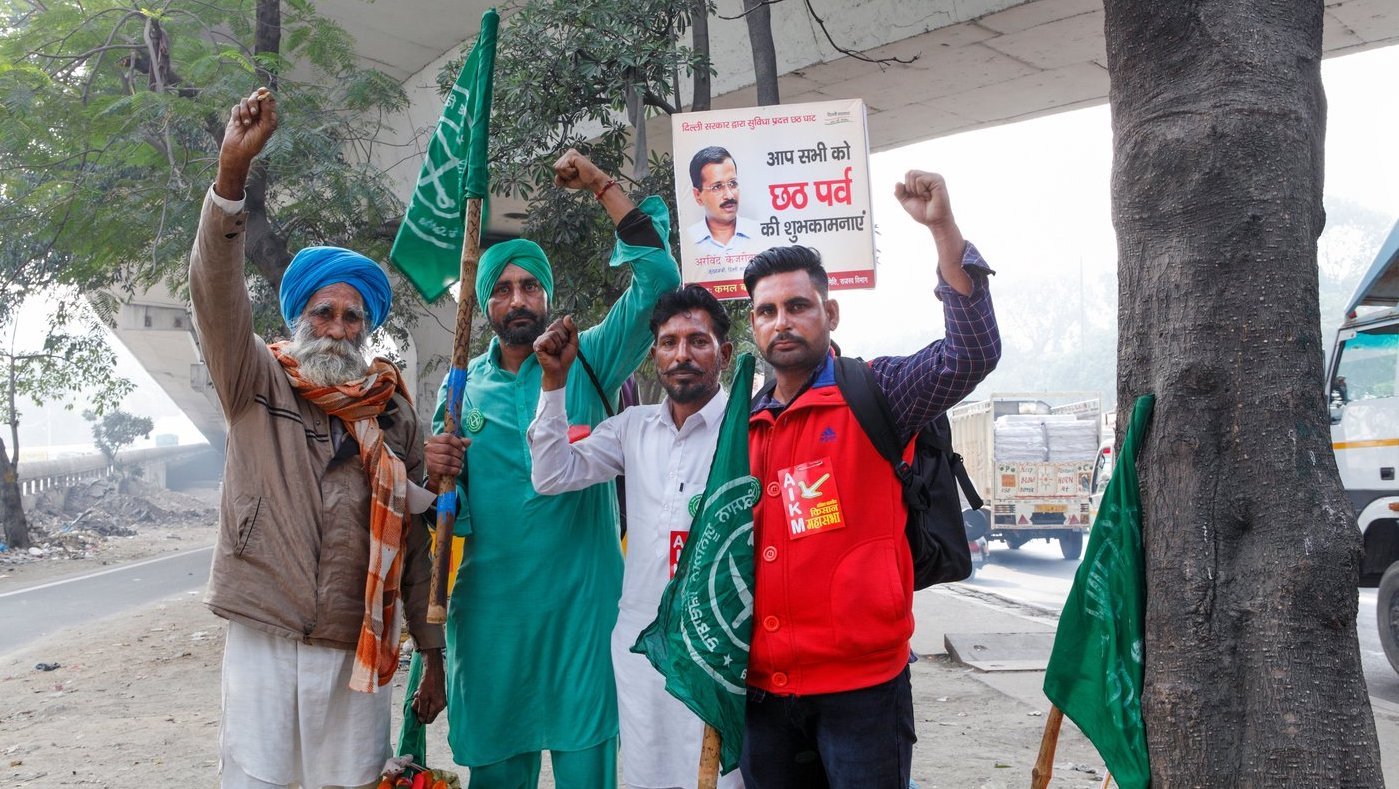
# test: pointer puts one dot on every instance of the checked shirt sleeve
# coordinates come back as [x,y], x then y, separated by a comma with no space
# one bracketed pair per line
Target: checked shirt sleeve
[927,383]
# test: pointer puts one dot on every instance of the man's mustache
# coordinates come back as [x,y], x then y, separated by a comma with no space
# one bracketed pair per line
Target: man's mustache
[516,314]
[684,367]
[785,337]
[330,346]
[729,204]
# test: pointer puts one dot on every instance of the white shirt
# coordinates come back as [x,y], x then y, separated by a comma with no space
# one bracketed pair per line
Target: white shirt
[228,206]
[666,468]
[746,238]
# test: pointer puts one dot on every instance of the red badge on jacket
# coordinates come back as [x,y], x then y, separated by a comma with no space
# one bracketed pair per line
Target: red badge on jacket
[811,498]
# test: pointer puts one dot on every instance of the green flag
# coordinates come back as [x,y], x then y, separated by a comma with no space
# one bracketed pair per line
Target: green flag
[700,638]
[1095,670]
[427,249]
[412,733]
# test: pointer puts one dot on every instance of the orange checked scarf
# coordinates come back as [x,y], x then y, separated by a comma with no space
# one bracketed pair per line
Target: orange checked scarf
[358,404]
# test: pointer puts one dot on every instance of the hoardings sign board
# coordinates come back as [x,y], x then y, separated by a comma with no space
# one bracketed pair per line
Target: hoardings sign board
[754,178]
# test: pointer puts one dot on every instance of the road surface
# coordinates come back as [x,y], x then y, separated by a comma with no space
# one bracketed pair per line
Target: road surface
[36,611]
[1038,575]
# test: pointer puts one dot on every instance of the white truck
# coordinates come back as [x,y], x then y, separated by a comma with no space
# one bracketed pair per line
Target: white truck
[1363,376]
[1032,463]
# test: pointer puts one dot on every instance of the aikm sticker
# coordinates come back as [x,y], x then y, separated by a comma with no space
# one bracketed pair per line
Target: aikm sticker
[677,546]
[811,498]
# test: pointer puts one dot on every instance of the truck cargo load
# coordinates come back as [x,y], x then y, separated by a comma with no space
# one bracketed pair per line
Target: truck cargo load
[1032,463]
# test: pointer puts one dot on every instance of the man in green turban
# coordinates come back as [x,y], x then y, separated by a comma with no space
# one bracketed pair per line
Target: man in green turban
[535,600]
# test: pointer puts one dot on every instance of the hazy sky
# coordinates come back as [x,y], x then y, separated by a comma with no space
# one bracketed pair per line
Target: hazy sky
[1034,198]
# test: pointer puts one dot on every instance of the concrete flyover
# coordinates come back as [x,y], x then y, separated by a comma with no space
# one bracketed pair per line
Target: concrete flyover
[979,63]
[156,465]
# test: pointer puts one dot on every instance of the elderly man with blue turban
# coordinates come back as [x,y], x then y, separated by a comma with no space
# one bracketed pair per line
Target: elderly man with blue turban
[318,560]
[533,606]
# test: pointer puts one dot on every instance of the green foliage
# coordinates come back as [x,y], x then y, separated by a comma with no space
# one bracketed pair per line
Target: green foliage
[73,356]
[115,430]
[564,69]
[107,163]
[563,72]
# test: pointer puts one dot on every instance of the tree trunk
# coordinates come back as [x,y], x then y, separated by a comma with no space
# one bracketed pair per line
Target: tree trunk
[1253,674]
[265,247]
[759,17]
[699,36]
[268,36]
[11,505]
[636,114]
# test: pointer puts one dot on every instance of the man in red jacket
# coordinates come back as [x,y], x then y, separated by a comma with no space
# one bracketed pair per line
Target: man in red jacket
[829,700]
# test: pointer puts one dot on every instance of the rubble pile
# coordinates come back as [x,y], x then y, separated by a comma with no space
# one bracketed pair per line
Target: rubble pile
[71,522]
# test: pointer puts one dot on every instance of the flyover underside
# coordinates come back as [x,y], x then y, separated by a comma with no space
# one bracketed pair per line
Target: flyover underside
[978,63]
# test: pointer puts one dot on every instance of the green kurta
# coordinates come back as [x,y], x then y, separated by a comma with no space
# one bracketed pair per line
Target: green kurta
[532,610]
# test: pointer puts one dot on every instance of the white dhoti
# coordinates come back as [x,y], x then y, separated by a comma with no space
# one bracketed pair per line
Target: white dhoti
[291,720]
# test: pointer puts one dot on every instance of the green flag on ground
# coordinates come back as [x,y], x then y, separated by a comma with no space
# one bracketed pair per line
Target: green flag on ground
[1095,670]
[699,640]
[427,249]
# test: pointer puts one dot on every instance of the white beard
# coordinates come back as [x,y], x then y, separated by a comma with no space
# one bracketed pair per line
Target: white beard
[325,361]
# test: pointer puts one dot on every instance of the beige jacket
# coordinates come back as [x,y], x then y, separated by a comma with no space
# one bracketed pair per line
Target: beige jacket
[293,546]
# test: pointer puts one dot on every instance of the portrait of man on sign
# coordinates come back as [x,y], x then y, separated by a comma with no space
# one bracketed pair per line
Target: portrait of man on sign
[714,178]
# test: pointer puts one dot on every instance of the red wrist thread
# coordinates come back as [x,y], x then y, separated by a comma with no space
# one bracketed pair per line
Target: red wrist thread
[599,193]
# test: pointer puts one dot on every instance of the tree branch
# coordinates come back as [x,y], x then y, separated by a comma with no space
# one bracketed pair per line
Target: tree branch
[62,40]
[650,99]
[756,6]
[92,72]
[81,56]
[158,50]
[881,62]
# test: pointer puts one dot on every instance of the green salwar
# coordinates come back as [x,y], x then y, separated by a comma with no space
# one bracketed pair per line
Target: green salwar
[535,598]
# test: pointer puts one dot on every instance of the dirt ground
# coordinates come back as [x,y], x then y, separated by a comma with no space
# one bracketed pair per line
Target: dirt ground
[135,705]
[135,701]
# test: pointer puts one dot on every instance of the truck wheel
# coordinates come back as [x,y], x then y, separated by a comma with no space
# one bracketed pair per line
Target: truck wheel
[977,524]
[1387,612]
[1015,541]
[1071,545]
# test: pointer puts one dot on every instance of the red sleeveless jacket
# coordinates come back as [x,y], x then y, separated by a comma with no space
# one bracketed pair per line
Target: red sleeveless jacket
[833,604]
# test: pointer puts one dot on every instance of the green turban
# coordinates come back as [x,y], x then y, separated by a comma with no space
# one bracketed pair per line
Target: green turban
[525,254]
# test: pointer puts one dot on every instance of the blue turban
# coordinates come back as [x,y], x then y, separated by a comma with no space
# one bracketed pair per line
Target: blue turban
[314,268]
[525,254]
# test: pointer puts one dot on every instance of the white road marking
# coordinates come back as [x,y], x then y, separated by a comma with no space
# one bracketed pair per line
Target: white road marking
[107,571]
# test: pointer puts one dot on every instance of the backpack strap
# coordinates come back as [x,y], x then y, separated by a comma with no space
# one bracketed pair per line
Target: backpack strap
[964,481]
[939,434]
[592,376]
[871,409]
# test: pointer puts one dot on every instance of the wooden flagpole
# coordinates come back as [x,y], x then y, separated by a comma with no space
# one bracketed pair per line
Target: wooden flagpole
[709,759]
[451,421]
[1044,765]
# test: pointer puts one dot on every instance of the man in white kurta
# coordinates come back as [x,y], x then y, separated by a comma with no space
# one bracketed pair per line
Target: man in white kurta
[665,451]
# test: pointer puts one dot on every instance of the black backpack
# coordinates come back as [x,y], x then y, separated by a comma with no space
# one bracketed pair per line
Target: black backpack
[937,534]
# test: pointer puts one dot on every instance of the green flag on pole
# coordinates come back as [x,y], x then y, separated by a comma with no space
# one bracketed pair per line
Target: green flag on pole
[427,249]
[700,638]
[1095,671]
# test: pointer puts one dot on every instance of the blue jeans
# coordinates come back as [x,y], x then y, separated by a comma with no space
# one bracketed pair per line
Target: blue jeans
[853,739]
